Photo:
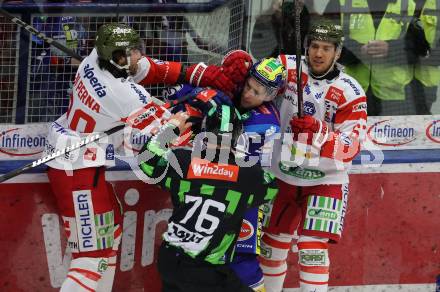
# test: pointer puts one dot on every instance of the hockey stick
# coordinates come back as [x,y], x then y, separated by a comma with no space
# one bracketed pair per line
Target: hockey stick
[148,116]
[41,35]
[298,58]
[281,31]
[58,153]
[117,11]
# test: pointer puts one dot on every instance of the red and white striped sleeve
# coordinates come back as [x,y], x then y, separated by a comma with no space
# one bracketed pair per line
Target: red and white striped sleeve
[152,71]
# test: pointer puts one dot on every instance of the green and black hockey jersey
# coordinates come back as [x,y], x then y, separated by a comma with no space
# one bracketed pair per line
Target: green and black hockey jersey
[210,198]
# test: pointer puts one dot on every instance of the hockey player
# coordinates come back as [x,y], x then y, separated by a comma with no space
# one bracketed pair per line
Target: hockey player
[104,96]
[261,123]
[210,198]
[312,169]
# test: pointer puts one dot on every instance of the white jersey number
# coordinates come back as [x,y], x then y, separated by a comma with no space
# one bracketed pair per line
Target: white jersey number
[203,219]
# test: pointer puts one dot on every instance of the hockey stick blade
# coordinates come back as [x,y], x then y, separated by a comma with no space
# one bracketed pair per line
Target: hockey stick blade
[40,35]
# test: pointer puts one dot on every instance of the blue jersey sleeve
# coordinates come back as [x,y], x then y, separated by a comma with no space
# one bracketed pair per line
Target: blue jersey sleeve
[261,125]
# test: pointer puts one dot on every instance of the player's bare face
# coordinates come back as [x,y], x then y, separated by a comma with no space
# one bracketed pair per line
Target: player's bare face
[135,56]
[129,57]
[321,56]
[253,94]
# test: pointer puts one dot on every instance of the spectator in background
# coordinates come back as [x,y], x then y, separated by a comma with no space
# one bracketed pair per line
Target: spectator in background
[274,30]
[167,39]
[423,39]
[375,51]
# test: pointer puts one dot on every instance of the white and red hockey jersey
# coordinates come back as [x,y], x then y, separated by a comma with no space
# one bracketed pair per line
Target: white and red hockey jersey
[99,102]
[341,103]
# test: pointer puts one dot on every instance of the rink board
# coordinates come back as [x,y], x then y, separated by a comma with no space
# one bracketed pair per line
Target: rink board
[391,239]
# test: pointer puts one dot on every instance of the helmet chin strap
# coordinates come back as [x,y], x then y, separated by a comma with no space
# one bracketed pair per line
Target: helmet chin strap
[338,52]
[123,67]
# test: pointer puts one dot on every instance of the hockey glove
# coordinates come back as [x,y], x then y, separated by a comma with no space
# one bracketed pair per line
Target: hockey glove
[207,99]
[236,66]
[198,101]
[309,130]
[213,76]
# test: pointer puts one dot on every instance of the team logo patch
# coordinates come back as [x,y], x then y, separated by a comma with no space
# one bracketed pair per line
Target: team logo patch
[266,251]
[201,168]
[246,231]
